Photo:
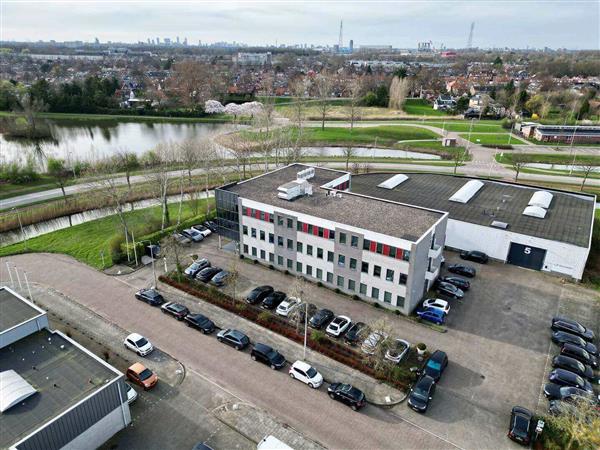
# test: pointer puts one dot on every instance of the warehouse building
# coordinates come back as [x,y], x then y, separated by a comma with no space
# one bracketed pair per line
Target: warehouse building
[565,134]
[54,394]
[535,228]
[304,220]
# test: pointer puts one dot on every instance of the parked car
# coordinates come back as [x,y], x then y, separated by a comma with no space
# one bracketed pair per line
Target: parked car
[287,306]
[220,279]
[193,235]
[273,300]
[572,365]
[320,319]
[459,282]
[176,310]
[258,294]
[449,290]
[205,232]
[306,373]
[233,338]
[520,427]
[139,344]
[207,274]
[181,238]
[432,315]
[200,322]
[266,355]
[580,354]
[437,303]
[568,378]
[372,341]
[435,365]
[462,269]
[562,337]
[196,267]
[347,394]
[398,350]
[150,296]
[553,391]
[212,226]
[338,326]
[142,376]
[353,335]
[421,394]
[132,395]
[573,327]
[475,256]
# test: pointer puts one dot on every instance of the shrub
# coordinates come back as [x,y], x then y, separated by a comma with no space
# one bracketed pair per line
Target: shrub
[264,317]
[114,244]
[355,297]
[271,267]
[376,305]
[337,290]
[286,272]
[397,312]
[421,346]
[317,336]
[319,284]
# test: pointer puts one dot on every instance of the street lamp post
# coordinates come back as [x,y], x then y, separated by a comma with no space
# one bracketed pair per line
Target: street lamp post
[305,325]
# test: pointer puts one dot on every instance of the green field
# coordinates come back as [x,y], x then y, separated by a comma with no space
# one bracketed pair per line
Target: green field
[464,126]
[549,158]
[491,139]
[420,107]
[86,241]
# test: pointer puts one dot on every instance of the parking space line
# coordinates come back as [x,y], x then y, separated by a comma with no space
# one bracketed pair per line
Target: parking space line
[427,431]
[548,358]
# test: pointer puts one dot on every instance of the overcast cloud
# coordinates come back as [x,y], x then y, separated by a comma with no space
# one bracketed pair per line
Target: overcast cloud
[562,23]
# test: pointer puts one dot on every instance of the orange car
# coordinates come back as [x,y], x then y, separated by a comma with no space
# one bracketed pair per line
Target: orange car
[142,376]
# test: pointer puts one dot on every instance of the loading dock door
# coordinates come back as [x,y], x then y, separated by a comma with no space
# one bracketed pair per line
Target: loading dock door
[526,256]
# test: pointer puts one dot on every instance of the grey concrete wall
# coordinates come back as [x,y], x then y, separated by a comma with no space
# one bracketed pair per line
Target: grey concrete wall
[419,262]
[101,431]
[25,329]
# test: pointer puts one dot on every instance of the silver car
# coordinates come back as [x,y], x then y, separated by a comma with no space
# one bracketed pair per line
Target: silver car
[374,339]
[398,350]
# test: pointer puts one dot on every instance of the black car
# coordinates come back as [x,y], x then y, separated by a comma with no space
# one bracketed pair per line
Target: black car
[212,226]
[475,256]
[273,300]
[421,394]
[348,394]
[573,327]
[572,365]
[562,337]
[258,294]
[200,322]
[449,290]
[567,378]
[354,333]
[267,355]
[176,310]
[554,391]
[220,278]
[459,282]
[580,354]
[435,365]
[462,269]
[520,427]
[321,318]
[207,274]
[233,338]
[153,250]
[150,296]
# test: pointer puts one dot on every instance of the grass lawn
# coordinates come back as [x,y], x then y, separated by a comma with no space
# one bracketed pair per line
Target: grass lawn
[464,126]
[86,241]
[43,183]
[561,173]
[549,158]
[491,139]
[420,107]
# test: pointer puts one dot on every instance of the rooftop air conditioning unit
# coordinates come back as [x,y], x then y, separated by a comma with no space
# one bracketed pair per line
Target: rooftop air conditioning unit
[306,174]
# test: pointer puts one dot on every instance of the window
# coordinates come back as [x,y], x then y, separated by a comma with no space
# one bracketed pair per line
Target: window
[321,232]
[352,263]
[290,263]
[299,247]
[375,293]
[309,250]
[364,268]
[253,251]
[262,235]
[329,277]
[319,274]
[280,220]
[245,230]
[290,244]
[379,248]
[263,255]
[244,211]
[309,270]
[389,275]
[331,234]
[366,244]
[354,241]
[253,232]
[262,215]
[341,261]
[406,255]
[280,241]
[330,256]
[363,289]
[387,297]
[399,301]
[271,238]
[310,229]
[271,257]
[403,278]
[245,249]
[298,226]
[271,218]
[280,260]
[340,281]
[376,271]
[319,253]
[351,285]
[392,252]
[299,267]
[290,223]
[342,238]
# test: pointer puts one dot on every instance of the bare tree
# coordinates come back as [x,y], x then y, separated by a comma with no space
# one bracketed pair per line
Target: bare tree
[172,251]
[577,424]
[459,156]
[398,91]
[348,153]
[188,156]
[323,88]
[126,161]
[296,316]
[194,82]
[354,92]
[377,360]
[240,146]
[298,89]
[159,178]
[517,162]
[587,169]
[233,277]
[289,145]
[208,160]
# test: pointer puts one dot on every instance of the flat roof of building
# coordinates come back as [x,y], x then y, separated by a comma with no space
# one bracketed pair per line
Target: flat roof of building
[568,219]
[375,214]
[14,311]
[61,376]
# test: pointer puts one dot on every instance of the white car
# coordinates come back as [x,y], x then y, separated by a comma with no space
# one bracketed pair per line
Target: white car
[202,229]
[398,350]
[132,395]
[287,306]
[192,234]
[138,344]
[307,374]
[437,303]
[338,326]
[372,341]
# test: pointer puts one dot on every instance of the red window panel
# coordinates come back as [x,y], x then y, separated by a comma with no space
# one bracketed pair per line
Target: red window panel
[373,246]
[266,217]
[386,250]
[305,227]
[249,212]
[257,214]
[399,252]
[326,233]
[315,230]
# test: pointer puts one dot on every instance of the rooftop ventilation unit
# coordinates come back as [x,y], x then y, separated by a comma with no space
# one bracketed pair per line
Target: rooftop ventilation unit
[306,174]
[13,389]
[394,181]
[535,211]
[294,189]
[498,224]
[465,193]
[541,199]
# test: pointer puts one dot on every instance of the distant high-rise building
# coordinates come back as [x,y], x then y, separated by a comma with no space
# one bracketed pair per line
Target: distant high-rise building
[167,41]
[157,41]
[185,41]
[351,45]
[97,41]
[177,39]
[149,41]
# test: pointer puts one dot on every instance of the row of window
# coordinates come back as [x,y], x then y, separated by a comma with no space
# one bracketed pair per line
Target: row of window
[317,273]
[386,250]
[257,214]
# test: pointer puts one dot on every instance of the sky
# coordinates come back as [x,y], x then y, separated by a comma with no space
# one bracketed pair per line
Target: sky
[570,24]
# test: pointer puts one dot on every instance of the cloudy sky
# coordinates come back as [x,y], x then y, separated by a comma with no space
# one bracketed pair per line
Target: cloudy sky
[517,23]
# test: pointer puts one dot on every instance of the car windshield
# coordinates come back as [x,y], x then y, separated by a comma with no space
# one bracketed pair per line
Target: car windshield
[272,355]
[141,342]
[145,374]
[178,308]
[311,372]
[434,365]
[419,392]
[521,423]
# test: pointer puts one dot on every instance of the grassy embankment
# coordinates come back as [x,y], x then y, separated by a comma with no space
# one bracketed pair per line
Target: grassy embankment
[492,139]
[548,158]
